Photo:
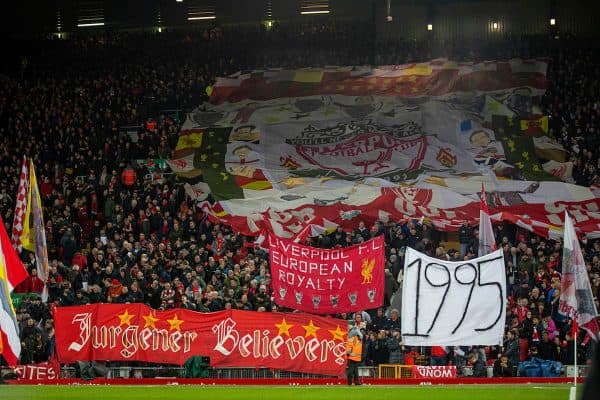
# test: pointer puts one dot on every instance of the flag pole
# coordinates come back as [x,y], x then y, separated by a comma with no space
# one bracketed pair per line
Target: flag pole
[574,334]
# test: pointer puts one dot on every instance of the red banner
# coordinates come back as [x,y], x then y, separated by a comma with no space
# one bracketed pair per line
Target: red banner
[327,281]
[426,371]
[135,332]
[41,371]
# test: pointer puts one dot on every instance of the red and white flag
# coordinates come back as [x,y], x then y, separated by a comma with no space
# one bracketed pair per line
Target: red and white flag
[15,270]
[576,298]
[487,243]
[21,206]
[12,272]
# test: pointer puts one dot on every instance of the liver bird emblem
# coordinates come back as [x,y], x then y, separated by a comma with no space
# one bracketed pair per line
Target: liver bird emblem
[367,270]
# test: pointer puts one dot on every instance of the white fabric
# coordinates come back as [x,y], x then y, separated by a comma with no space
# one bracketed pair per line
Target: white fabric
[484,313]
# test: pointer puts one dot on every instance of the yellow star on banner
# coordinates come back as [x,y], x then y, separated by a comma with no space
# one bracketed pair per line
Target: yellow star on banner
[150,321]
[284,328]
[338,334]
[190,140]
[175,323]
[125,318]
[311,329]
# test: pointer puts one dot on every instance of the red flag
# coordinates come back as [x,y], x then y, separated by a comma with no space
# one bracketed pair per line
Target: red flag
[12,272]
[15,270]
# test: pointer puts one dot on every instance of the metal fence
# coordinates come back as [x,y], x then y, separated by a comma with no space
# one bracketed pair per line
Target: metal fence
[383,371]
[215,373]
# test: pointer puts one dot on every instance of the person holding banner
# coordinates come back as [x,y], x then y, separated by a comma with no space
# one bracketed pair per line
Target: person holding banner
[353,355]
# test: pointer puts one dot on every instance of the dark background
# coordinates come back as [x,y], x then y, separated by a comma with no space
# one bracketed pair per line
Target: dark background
[451,19]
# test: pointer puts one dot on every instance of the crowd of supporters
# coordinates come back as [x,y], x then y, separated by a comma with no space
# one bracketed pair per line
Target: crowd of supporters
[65,104]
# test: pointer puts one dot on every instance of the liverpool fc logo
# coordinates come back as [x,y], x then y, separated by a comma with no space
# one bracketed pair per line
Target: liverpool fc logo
[367,270]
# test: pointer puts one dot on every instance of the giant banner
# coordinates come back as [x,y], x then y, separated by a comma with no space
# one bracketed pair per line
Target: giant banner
[327,281]
[292,151]
[453,303]
[135,332]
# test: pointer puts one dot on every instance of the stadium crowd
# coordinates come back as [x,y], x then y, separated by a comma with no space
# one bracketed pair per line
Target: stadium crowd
[114,241]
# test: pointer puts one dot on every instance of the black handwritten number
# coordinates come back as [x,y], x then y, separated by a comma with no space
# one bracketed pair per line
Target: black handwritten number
[446,284]
[470,283]
[416,333]
[497,284]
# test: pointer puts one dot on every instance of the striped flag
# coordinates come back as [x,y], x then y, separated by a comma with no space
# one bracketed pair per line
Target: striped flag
[487,243]
[576,298]
[34,236]
[17,230]
[12,272]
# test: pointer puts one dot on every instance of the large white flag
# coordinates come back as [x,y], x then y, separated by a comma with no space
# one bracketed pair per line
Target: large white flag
[453,303]
[576,298]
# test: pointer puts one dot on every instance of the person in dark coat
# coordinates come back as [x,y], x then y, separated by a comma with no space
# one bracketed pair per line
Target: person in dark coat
[479,368]
[395,347]
[512,347]
[503,368]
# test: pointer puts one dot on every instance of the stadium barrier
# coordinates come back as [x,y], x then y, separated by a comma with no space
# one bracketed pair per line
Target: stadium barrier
[394,371]
[385,372]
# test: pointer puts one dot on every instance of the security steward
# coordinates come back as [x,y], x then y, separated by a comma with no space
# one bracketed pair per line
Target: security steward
[354,355]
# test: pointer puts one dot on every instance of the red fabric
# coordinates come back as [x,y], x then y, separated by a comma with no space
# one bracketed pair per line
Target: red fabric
[292,342]
[33,284]
[523,349]
[324,281]
[409,358]
[438,351]
[42,371]
[15,270]
[574,329]
[46,189]
[521,313]
[128,177]
[79,259]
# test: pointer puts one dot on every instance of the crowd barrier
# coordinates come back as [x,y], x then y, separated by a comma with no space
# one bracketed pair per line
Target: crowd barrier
[383,371]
